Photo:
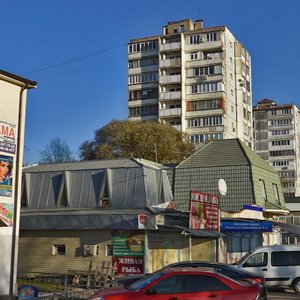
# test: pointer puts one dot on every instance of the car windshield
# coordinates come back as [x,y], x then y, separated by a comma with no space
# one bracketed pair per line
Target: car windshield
[241,260]
[137,285]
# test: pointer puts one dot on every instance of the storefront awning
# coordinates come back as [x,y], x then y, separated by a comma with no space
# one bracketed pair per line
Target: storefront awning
[290,228]
[201,233]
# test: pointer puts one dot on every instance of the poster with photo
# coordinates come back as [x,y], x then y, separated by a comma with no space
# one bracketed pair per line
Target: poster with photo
[6,214]
[204,211]
[7,137]
[6,180]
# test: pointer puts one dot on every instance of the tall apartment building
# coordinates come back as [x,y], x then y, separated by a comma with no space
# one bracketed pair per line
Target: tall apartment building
[194,78]
[276,139]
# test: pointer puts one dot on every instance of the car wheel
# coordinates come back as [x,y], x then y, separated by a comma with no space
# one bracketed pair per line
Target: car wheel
[296,285]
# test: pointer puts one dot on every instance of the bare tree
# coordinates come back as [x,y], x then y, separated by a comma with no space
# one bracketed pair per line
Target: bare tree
[56,152]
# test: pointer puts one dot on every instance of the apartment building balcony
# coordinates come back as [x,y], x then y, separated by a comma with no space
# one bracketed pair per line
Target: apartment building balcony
[141,70]
[169,112]
[272,137]
[170,46]
[170,79]
[169,63]
[177,127]
[205,112]
[205,46]
[170,95]
[203,62]
[137,55]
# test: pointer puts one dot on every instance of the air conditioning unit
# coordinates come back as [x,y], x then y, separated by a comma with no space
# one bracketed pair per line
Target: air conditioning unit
[90,250]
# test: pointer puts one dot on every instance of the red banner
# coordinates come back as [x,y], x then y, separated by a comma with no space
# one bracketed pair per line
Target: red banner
[204,211]
[129,265]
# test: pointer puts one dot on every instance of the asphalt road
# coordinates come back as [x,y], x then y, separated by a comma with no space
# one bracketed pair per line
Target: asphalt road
[282,294]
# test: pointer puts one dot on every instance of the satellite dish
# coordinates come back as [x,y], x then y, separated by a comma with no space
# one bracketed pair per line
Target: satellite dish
[222,187]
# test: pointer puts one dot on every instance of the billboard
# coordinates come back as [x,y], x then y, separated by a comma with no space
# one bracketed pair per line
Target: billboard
[204,211]
[13,97]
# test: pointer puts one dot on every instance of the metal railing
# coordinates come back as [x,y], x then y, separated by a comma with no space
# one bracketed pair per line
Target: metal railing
[52,286]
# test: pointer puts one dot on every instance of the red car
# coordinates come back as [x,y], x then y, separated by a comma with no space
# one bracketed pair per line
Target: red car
[182,284]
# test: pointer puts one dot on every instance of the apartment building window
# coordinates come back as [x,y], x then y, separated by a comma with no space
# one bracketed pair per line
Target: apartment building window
[281,143]
[282,153]
[281,132]
[286,111]
[211,37]
[201,138]
[143,78]
[204,122]
[288,184]
[181,28]
[194,55]
[282,122]
[263,190]
[142,111]
[174,123]
[273,112]
[281,163]
[145,62]
[206,87]
[205,104]
[288,195]
[195,39]
[143,46]
[143,94]
[287,174]
[210,70]
[212,55]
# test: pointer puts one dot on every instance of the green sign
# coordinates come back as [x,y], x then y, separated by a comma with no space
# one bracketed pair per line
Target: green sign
[128,246]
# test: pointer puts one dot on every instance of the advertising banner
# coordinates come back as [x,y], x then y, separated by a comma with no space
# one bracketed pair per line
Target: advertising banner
[13,98]
[128,245]
[129,265]
[204,211]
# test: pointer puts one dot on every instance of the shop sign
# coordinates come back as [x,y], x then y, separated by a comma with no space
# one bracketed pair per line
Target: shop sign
[128,245]
[204,211]
[129,265]
[246,226]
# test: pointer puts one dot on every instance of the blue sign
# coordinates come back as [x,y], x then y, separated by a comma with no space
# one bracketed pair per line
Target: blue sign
[250,207]
[264,226]
[28,292]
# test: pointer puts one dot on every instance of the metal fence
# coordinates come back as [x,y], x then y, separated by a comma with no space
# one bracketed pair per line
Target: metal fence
[58,286]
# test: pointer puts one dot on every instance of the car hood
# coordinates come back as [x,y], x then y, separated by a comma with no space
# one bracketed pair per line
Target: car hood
[118,290]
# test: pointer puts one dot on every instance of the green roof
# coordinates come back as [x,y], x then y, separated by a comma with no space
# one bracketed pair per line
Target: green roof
[225,153]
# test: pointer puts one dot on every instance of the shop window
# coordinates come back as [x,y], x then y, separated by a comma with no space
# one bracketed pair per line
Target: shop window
[109,250]
[59,249]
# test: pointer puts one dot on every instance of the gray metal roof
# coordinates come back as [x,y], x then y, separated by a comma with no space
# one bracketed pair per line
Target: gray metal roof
[117,183]
[124,219]
[87,165]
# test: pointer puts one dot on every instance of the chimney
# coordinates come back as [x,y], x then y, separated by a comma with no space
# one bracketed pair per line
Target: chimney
[198,24]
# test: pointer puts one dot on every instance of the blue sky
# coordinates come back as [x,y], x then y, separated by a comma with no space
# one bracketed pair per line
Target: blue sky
[77,52]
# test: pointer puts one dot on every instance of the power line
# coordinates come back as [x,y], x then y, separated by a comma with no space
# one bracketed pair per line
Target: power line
[72,60]
[81,69]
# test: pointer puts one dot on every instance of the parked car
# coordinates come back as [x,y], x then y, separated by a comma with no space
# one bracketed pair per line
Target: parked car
[220,268]
[279,264]
[183,283]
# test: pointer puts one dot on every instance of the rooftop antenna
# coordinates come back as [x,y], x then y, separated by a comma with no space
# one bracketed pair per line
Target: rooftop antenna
[198,13]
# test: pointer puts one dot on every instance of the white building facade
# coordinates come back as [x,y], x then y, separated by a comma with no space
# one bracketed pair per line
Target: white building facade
[276,139]
[196,79]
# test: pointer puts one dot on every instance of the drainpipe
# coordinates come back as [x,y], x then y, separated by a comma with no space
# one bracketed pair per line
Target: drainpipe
[17,205]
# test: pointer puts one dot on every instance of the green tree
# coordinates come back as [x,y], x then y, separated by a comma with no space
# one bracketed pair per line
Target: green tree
[56,152]
[149,140]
